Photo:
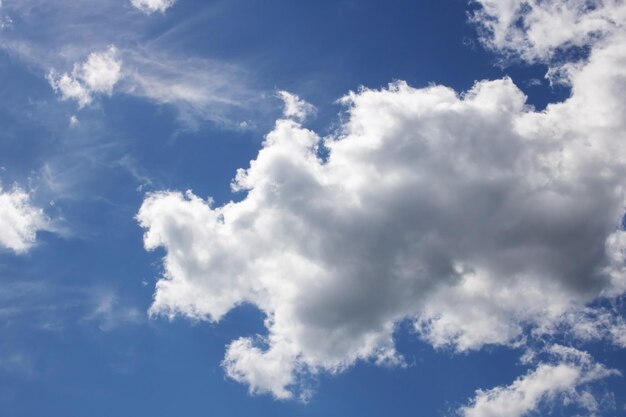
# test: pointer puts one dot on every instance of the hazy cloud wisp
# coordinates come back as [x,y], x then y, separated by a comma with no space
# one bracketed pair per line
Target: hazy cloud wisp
[563,377]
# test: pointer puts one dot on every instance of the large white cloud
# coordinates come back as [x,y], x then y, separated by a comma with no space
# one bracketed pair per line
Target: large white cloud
[98,74]
[19,220]
[471,214]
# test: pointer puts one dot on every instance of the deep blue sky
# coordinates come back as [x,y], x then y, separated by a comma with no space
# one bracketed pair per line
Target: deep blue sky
[64,357]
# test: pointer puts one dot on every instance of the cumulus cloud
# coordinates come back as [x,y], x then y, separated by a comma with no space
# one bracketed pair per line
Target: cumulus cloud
[537,29]
[471,214]
[19,220]
[98,74]
[151,6]
[562,378]
[295,107]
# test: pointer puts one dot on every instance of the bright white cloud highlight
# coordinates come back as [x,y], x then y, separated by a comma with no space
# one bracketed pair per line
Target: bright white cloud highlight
[471,214]
[19,220]
[560,378]
[537,29]
[151,6]
[98,74]
[295,107]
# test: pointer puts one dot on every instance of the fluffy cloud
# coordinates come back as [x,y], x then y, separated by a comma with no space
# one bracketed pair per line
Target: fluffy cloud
[472,214]
[563,377]
[151,6]
[98,74]
[295,107]
[19,220]
[537,29]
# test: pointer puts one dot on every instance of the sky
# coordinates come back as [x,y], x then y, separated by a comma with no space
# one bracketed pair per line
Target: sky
[297,208]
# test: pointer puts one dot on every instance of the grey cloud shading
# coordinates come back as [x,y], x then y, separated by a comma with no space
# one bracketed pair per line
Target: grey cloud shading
[470,214]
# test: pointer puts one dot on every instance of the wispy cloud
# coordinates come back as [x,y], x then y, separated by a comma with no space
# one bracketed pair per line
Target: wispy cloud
[41,306]
[109,313]
[17,363]
[84,64]
[565,377]
[199,88]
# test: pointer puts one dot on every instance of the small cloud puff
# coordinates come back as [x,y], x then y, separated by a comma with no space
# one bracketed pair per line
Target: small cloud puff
[97,75]
[151,6]
[19,220]
[296,108]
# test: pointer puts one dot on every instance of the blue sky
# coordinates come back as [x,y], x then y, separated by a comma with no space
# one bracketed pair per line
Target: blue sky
[332,208]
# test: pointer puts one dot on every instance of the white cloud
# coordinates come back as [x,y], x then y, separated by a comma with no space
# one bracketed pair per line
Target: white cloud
[151,6]
[198,88]
[98,74]
[295,107]
[535,29]
[101,71]
[561,378]
[589,324]
[19,220]
[261,371]
[471,214]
